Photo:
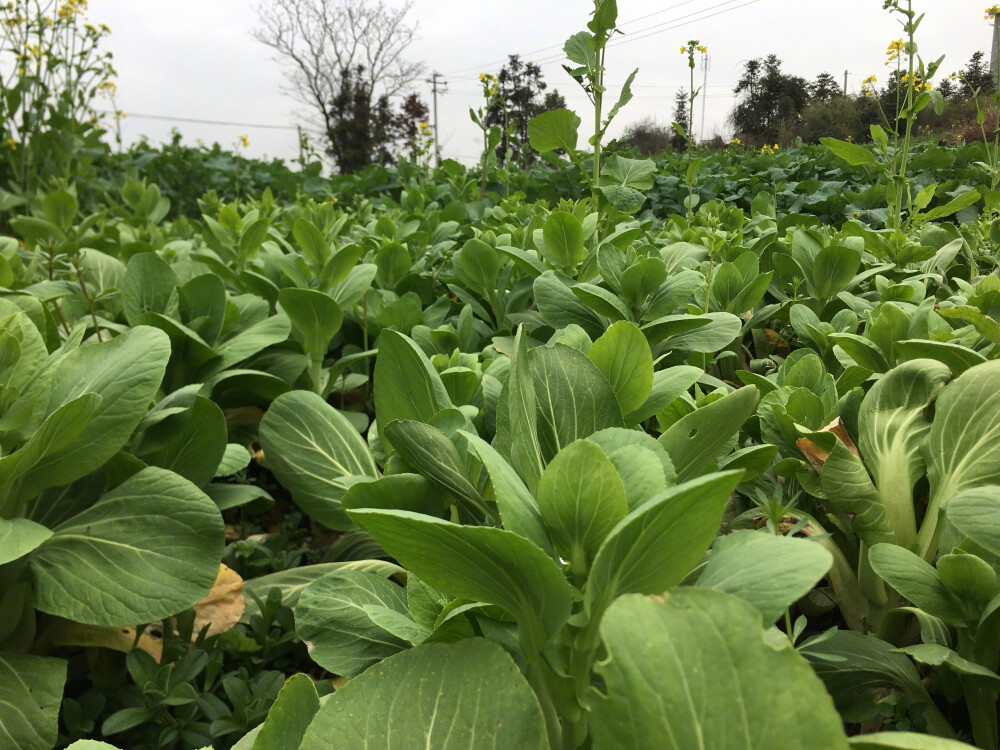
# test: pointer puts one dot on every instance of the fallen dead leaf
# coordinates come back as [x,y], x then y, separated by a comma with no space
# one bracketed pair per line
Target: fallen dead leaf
[68,633]
[224,605]
[778,345]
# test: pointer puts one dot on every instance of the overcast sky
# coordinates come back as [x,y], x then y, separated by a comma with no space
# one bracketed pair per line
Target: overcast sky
[197,59]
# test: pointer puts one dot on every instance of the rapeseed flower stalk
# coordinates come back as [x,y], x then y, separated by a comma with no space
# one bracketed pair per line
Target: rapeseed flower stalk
[491,93]
[491,85]
[894,50]
[71,8]
[691,48]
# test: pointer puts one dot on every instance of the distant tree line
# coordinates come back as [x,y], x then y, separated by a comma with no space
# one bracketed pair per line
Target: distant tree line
[773,106]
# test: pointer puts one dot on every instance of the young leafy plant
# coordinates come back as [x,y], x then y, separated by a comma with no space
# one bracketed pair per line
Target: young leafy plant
[146,549]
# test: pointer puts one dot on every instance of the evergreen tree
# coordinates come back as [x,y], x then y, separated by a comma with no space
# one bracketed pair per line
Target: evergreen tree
[824,87]
[521,97]
[407,121]
[768,101]
[362,132]
[349,134]
[977,74]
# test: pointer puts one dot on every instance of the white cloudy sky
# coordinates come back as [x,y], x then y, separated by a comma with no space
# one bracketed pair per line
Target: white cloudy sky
[197,59]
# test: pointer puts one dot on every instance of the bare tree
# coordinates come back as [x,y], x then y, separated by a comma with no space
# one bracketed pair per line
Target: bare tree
[325,41]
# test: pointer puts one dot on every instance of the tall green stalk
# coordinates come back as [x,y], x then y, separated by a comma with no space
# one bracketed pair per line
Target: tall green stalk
[598,105]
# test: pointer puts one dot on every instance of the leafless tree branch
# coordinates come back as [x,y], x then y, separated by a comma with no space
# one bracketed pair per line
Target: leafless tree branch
[320,39]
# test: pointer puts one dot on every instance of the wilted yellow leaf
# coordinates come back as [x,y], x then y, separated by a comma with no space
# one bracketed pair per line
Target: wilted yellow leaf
[224,605]
[68,633]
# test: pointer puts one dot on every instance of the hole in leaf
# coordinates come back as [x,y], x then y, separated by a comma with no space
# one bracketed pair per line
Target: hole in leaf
[692,434]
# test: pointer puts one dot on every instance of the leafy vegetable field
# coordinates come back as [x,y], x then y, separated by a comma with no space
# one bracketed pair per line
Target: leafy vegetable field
[698,452]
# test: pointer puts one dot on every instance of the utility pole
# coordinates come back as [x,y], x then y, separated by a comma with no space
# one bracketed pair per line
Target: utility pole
[434,81]
[845,83]
[706,64]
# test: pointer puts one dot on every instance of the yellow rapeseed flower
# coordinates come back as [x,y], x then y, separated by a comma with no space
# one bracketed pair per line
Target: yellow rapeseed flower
[992,12]
[703,49]
[894,50]
[244,140]
[918,83]
[684,50]
[11,143]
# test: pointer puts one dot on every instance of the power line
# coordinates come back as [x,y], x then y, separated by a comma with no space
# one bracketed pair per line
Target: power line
[654,13]
[584,97]
[558,58]
[668,86]
[171,118]
[629,39]
[634,85]
[486,66]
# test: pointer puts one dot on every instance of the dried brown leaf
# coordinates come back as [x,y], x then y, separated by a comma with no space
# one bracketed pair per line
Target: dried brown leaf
[68,633]
[816,455]
[224,605]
